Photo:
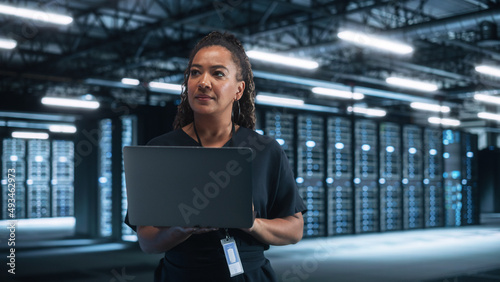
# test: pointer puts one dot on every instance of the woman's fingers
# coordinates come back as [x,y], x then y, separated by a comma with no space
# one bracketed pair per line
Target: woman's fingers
[201,230]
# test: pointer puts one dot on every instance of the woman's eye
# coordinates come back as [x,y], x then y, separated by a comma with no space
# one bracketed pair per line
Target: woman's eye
[194,72]
[219,73]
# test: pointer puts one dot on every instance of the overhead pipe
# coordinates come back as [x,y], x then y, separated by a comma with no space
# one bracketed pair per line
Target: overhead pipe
[454,23]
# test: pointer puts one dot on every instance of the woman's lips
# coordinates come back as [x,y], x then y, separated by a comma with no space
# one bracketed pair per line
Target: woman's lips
[203,97]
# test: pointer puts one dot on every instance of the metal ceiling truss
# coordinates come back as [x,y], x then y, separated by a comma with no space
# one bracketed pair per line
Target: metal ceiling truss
[150,40]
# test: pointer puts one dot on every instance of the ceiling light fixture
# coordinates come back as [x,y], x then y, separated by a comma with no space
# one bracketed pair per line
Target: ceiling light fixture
[278,59]
[367,111]
[30,135]
[487,98]
[69,102]
[7,43]
[171,88]
[430,107]
[490,70]
[36,15]
[375,42]
[278,101]
[444,121]
[490,116]
[337,93]
[413,84]
[130,81]
[62,128]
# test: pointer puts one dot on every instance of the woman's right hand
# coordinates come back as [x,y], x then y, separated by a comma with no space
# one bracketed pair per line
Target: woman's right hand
[193,230]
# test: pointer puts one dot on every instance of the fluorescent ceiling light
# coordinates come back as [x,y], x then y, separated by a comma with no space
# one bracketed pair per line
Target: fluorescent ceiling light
[130,81]
[488,70]
[430,107]
[62,128]
[166,86]
[107,83]
[367,111]
[278,59]
[43,117]
[7,43]
[337,93]
[408,83]
[372,41]
[30,135]
[35,15]
[67,102]
[487,98]
[384,94]
[444,121]
[491,116]
[278,101]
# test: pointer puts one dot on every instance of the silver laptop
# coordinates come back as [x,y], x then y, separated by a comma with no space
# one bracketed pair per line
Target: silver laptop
[189,186]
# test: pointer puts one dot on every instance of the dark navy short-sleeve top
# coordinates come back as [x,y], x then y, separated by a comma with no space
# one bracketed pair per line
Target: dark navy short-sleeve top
[275,194]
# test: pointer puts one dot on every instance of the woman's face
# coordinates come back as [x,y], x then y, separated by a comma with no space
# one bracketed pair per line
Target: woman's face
[212,84]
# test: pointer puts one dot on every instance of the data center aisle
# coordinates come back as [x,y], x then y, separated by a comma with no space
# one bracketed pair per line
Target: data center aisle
[421,255]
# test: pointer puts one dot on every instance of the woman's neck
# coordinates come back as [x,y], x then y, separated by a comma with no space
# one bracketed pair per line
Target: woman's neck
[213,132]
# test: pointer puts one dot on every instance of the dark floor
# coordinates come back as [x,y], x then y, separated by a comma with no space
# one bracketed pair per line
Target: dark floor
[441,254]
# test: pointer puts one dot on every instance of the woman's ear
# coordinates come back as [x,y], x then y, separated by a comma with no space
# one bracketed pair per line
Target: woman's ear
[241,89]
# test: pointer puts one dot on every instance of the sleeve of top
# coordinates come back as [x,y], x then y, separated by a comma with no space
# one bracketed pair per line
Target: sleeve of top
[287,200]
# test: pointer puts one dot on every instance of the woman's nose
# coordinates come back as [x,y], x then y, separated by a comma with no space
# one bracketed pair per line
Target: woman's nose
[204,82]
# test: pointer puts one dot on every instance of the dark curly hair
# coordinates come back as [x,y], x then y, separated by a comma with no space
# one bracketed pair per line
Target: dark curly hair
[245,114]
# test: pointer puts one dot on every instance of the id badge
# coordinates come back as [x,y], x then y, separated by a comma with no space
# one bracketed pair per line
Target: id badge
[232,256]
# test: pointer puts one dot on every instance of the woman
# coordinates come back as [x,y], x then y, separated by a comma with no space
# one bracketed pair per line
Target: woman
[217,109]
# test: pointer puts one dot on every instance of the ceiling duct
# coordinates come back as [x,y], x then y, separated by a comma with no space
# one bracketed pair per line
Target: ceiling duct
[423,30]
[443,26]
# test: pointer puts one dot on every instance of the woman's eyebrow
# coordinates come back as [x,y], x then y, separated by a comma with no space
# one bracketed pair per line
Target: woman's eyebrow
[219,67]
[212,67]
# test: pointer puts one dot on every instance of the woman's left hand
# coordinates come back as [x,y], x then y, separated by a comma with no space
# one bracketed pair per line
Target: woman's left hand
[277,231]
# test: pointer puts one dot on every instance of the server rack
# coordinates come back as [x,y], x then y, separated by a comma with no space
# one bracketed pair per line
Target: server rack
[311,172]
[105,178]
[339,174]
[470,213]
[14,157]
[44,173]
[452,178]
[38,178]
[413,195]
[280,126]
[390,177]
[433,178]
[62,178]
[365,177]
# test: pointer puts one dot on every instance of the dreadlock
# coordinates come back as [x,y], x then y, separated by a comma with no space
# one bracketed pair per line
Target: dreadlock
[245,114]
